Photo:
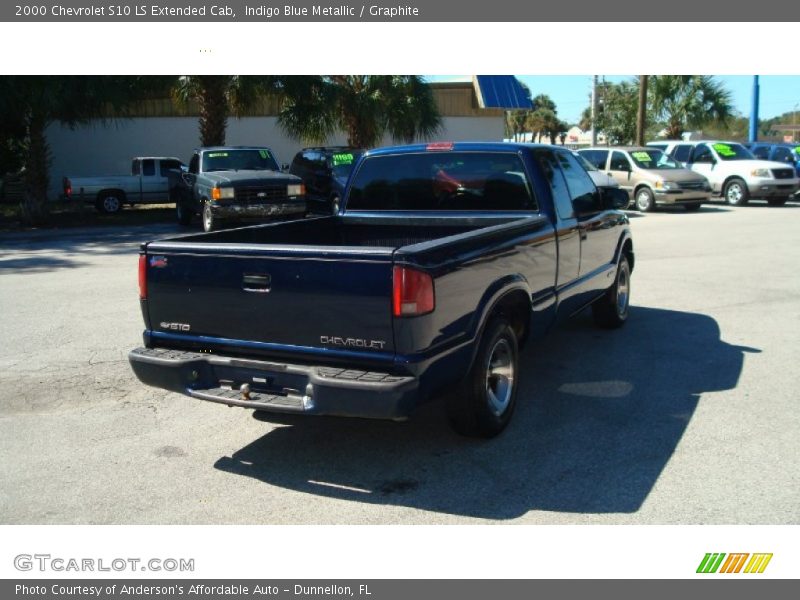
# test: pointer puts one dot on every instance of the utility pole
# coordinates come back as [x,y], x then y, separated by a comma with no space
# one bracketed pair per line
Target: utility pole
[641,116]
[754,112]
[594,110]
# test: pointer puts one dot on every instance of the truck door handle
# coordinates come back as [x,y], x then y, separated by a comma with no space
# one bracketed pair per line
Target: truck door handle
[256,282]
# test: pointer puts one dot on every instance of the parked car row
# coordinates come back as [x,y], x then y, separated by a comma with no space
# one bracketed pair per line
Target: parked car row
[226,184]
[690,173]
[245,183]
[650,177]
[733,172]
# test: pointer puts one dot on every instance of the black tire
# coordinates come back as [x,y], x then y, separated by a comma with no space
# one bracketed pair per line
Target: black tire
[210,222]
[611,309]
[109,203]
[482,404]
[335,204]
[735,192]
[692,206]
[644,200]
[777,201]
[183,213]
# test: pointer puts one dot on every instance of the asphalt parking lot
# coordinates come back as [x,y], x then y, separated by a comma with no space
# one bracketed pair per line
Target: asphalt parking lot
[688,415]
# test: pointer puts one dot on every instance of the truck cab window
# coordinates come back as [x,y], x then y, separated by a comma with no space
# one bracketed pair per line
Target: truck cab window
[558,186]
[148,167]
[456,181]
[584,194]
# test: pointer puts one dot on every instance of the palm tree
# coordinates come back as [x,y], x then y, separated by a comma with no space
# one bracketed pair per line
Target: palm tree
[686,102]
[220,96]
[37,101]
[515,122]
[365,107]
[544,121]
[544,101]
[617,115]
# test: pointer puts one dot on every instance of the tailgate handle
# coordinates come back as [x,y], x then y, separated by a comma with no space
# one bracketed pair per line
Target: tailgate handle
[256,282]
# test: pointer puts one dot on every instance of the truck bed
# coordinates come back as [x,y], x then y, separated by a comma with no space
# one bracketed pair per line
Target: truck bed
[345,232]
[284,289]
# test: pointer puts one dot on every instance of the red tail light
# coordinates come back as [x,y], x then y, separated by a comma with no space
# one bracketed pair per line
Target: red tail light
[413,293]
[142,277]
[67,187]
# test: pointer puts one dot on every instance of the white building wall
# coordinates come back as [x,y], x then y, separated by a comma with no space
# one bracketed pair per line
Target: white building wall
[98,149]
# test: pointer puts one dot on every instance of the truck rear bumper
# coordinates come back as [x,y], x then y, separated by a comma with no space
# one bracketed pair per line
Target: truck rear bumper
[277,387]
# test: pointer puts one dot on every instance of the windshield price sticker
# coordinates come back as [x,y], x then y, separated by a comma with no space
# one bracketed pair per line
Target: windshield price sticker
[724,150]
[642,156]
[217,154]
[263,154]
[342,159]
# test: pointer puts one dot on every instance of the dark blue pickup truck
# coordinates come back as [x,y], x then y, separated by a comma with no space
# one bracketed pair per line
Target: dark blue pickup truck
[442,261]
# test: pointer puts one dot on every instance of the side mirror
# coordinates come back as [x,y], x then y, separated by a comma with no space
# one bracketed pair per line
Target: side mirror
[614,198]
[285,167]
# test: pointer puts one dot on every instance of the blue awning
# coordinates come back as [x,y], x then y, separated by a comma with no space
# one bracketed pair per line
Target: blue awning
[500,91]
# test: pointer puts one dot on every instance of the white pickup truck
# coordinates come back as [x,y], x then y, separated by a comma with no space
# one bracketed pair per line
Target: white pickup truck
[149,183]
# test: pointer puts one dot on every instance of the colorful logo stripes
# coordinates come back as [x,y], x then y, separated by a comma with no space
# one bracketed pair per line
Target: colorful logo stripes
[713,562]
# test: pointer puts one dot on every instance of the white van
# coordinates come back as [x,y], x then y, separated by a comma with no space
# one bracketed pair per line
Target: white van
[733,172]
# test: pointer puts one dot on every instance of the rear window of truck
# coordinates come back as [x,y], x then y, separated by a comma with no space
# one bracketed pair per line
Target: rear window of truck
[441,181]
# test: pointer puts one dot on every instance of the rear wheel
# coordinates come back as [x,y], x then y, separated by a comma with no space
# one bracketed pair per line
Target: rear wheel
[644,200]
[777,201]
[484,401]
[109,203]
[611,309]
[736,192]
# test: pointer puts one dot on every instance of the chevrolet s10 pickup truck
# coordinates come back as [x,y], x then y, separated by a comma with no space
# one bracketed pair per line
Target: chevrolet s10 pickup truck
[442,261]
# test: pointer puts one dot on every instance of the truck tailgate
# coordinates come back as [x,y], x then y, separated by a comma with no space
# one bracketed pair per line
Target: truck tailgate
[277,300]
